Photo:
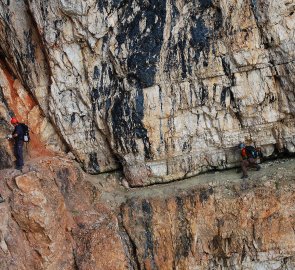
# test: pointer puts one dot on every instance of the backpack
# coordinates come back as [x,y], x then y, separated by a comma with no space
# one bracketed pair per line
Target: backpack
[251,152]
[26,132]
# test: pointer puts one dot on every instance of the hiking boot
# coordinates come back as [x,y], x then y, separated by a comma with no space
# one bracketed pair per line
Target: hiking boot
[244,177]
[1,199]
[258,168]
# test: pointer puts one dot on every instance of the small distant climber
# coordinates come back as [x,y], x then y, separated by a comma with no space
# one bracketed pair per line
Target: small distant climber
[18,136]
[249,159]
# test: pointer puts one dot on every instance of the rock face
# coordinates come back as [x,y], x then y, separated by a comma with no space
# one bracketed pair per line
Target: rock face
[164,88]
[57,217]
[54,219]
[214,228]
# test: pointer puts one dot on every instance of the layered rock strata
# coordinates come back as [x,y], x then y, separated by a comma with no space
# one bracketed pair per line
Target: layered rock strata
[57,217]
[165,88]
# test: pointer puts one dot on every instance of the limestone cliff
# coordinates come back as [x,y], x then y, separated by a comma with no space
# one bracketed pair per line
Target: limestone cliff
[165,89]
[56,217]
[149,92]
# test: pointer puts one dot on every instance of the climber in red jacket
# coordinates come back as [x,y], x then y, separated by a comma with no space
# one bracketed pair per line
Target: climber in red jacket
[249,159]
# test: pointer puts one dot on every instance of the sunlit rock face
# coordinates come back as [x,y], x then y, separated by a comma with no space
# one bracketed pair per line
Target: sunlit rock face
[165,88]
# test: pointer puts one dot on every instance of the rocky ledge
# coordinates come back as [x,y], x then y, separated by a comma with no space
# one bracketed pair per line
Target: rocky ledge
[57,217]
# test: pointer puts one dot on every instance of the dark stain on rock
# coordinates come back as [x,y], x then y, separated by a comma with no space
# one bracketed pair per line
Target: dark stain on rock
[200,37]
[63,177]
[148,225]
[175,13]
[204,4]
[124,108]
[93,163]
[216,242]
[73,118]
[139,100]
[127,122]
[182,46]
[128,244]
[218,18]
[96,73]
[186,147]
[205,194]
[30,47]
[217,245]
[233,80]
[194,38]
[143,45]
[272,98]
[121,37]
[101,4]
[199,40]
[134,206]
[110,5]
[226,92]
[203,94]
[94,94]
[4,101]
[244,253]
[214,91]
[184,235]
[226,67]
[101,91]
[5,158]
[255,9]
[57,26]
[44,9]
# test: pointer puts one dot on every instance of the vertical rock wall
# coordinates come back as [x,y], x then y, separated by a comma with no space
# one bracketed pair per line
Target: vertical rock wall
[165,88]
[16,101]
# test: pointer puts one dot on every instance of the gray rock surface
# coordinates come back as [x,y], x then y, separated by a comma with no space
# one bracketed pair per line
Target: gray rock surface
[165,88]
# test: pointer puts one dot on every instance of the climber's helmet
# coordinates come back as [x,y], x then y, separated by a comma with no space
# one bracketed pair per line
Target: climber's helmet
[13,121]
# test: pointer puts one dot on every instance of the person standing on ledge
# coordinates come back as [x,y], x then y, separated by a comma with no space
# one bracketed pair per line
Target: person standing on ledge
[249,159]
[17,135]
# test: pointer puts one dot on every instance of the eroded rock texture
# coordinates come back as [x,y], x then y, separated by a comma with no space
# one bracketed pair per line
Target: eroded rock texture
[164,88]
[56,217]
[212,228]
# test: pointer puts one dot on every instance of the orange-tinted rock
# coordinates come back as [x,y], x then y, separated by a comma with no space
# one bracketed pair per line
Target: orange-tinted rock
[39,209]
[57,217]
[17,101]
[54,219]
[215,227]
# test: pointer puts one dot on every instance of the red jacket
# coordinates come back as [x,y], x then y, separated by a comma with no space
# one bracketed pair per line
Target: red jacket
[244,153]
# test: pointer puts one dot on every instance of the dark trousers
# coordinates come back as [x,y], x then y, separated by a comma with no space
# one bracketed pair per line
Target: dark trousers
[18,152]
[247,163]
